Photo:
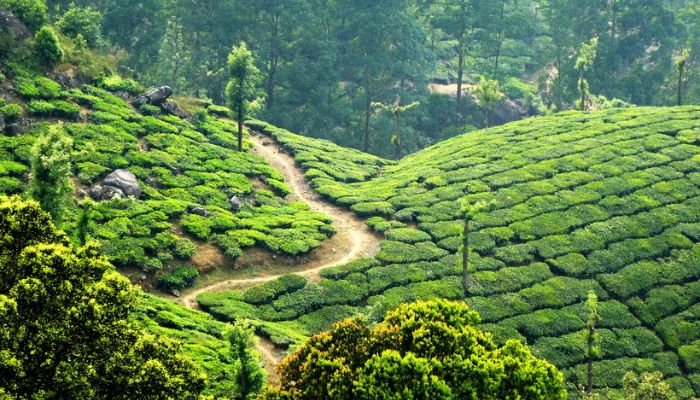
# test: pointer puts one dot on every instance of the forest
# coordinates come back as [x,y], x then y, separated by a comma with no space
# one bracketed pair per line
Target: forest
[370,199]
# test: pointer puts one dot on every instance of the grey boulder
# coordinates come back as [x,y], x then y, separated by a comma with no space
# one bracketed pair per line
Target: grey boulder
[125,181]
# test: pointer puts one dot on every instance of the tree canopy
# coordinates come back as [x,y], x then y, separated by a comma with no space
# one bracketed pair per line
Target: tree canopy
[63,328]
[425,350]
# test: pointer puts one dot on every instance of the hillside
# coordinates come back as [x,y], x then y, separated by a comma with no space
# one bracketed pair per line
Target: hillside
[606,201]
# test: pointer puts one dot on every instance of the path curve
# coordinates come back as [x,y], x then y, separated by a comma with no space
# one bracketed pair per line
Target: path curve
[351,230]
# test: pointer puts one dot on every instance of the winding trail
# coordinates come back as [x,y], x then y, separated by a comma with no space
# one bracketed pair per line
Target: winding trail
[353,240]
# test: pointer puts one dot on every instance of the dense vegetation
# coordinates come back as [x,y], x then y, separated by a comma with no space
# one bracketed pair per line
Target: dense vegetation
[430,350]
[324,61]
[63,316]
[181,165]
[603,201]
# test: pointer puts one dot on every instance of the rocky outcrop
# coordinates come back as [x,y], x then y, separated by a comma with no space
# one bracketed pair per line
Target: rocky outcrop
[197,210]
[10,23]
[155,97]
[119,184]
[235,203]
[173,109]
[508,111]
[125,181]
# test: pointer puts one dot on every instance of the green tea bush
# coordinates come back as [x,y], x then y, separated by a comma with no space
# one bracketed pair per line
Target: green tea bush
[37,87]
[12,112]
[184,249]
[179,278]
[267,292]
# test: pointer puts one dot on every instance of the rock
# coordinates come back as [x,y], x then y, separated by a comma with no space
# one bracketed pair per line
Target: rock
[266,143]
[508,111]
[82,194]
[111,192]
[10,23]
[201,211]
[176,293]
[142,277]
[125,181]
[155,97]
[173,109]
[235,203]
[66,79]
[95,192]
[263,179]
[13,130]
[151,180]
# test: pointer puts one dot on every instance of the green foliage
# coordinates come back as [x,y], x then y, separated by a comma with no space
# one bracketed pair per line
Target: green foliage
[241,93]
[12,112]
[55,108]
[184,248]
[31,12]
[249,373]
[267,292]
[57,296]
[50,182]
[37,87]
[83,21]
[179,278]
[116,83]
[649,385]
[47,47]
[391,360]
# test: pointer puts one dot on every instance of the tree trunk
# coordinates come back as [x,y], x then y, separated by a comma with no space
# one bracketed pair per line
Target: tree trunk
[460,76]
[582,89]
[500,39]
[368,111]
[591,336]
[398,136]
[274,61]
[681,67]
[465,257]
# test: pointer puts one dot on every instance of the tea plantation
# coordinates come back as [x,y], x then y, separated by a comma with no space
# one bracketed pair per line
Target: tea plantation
[606,201]
[181,165]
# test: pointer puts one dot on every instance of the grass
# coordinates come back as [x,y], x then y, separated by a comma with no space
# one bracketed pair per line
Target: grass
[605,201]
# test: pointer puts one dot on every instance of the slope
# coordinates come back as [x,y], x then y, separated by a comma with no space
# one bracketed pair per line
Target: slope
[606,201]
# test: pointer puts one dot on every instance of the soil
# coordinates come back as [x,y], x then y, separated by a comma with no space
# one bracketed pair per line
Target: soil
[353,240]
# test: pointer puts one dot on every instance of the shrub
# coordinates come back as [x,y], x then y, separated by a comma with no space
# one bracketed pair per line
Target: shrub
[407,235]
[55,108]
[31,12]
[179,278]
[116,83]
[12,112]
[37,87]
[82,21]
[47,47]
[269,291]
[184,248]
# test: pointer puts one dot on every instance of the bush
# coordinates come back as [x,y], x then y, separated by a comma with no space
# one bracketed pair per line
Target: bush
[116,83]
[12,112]
[37,87]
[184,249]
[269,291]
[31,12]
[82,21]
[179,278]
[47,47]
[55,108]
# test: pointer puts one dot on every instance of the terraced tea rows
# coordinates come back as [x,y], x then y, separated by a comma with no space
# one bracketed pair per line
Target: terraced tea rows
[180,165]
[608,201]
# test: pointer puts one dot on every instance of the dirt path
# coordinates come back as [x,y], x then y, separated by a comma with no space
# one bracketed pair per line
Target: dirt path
[353,240]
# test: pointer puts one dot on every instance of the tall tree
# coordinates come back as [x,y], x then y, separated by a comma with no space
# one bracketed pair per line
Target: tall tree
[585,60]
[63,313]
[396,110]
[249,373]
[50,182]
[488,93]
[592,341]
[681,61]
[467,211]
[242,92]
[383,49]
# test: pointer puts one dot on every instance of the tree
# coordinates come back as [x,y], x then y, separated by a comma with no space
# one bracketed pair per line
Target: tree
[396,110]
[585,60]
[83,225]
[242,92]
[49,179]
[63,321]
[681,61]
[47,47]
[488,93]
[249,373]
[467,212]
[648,386]
[592,340]
[425,350]
[82,21]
